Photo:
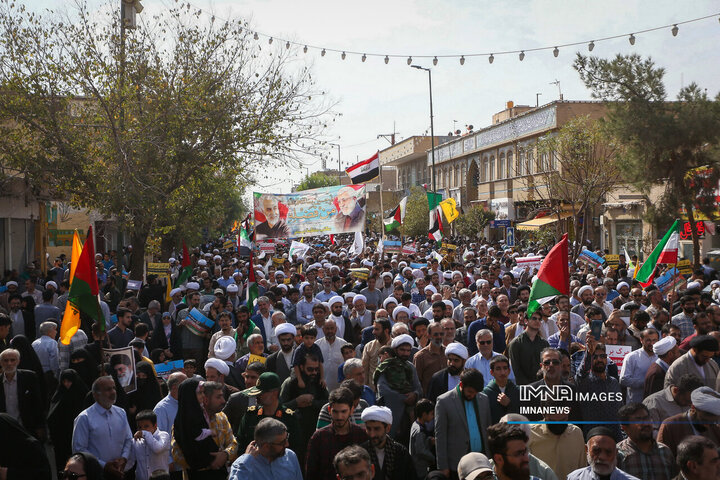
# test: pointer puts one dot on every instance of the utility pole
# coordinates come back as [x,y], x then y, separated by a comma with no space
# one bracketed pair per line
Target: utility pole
[432,126]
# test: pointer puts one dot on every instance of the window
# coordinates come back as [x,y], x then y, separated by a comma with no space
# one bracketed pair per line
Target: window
[520,166]
[501,166]
[492,168]
[509,164]
[553,161]
[484,176]
[529,162]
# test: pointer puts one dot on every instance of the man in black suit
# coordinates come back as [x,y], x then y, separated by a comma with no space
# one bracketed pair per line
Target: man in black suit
[448,378]
[550,366]
[280,362]
[22,322]
[20,393]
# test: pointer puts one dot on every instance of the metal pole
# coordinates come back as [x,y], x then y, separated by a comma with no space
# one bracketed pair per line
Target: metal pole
[382,210]
[339,167]
[432,131]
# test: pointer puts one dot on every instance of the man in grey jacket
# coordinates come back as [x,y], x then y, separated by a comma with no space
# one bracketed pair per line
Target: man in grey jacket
[462,417]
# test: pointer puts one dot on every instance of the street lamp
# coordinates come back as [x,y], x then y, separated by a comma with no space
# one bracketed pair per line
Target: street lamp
[432,126]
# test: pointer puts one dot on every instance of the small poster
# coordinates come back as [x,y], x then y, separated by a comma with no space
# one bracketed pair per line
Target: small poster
[200,325]
[164,370]
[617,353]
[122,362]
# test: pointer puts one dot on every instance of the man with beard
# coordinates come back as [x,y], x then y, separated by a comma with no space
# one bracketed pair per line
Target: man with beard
[381,332]
[448,378]
[672,400]
[269,456]
[602,458]
[667,352]
[351,214]
[642,455]
[462,417]
[586,299]
[343,324]
[524,351]
[592,380]
[306,401]
[392,460]
[558,442]
[684,319]
[331,346]
[551,370]
[510,453]
[238,403]
[702,419]
[698,361]
[430,359]
[273,226]
[636,364]
[698,459]
[703,325]
[280,362]
[326,442]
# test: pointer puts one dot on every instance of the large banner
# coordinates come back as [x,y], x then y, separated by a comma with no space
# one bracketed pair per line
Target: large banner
[321,211]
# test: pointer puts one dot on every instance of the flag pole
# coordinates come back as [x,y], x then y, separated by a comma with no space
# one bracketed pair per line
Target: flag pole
[382,210]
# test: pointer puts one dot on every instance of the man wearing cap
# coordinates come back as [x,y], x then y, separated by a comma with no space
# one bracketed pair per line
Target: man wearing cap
[390,458]
[225,349]
[449,377]
[360,315]
[267,395]
[602,457]
[431,359]
[636,364]
[398,384]
[344,326]
[586,299]
[238,403]
[475,466]
[702,419]
[667,352]
[331,347]
[462,417]
[280,362]
[697,361]
[12,288]
[217,370]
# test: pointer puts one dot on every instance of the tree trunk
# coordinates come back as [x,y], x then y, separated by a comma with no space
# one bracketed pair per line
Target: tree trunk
[138,237]
[168,243]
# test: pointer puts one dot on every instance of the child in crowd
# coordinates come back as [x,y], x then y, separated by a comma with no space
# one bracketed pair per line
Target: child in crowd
[309,334]
[150,446]
[422,440]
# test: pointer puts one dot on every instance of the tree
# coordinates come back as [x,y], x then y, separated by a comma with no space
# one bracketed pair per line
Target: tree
[155,128]
[317,180]
[415,223]
[472,222]
[668,143]
[579,169]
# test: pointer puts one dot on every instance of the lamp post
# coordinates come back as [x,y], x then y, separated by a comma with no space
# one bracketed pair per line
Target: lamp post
[432,126]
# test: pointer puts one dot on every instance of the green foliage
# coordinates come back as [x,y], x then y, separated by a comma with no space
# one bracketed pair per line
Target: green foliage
[415,223]
[159,134]
[472,222]
[317,180]
[670,143]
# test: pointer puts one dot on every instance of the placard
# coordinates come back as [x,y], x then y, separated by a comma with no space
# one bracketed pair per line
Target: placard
[409,249]
[391,246]
[200,325]
[164,370]
[532,262]
[360,273]
[122,362]
[159,269]
[617,353]
[591,258]
[613,260]
[685,267]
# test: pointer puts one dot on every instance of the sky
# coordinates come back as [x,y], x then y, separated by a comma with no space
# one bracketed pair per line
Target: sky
[375,98]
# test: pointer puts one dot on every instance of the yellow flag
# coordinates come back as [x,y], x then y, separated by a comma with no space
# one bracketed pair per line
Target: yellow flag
[71,318]
[449,208]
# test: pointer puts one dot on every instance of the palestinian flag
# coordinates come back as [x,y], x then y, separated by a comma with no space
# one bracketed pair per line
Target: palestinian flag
[186,269]
[552,279]
[252,287]
[397,217]
[244,242]
[84,290]
[665,252]
[71,318]
[365,170]
[435,230]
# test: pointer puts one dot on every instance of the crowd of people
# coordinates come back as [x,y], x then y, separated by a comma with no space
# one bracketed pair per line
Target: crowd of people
[362,365]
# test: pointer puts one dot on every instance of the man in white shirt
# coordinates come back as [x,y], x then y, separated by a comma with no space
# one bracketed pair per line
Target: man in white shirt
[47,349]
[636,364]
[331,348]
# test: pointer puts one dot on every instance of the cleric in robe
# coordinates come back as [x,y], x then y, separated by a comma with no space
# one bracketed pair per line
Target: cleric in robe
[351,211]
[273,226]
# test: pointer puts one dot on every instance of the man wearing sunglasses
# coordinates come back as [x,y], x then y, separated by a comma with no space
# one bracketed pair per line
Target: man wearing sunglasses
[268,455]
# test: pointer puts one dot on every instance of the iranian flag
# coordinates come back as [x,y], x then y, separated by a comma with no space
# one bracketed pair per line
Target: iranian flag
[552,279]
[186,269]
[435,230]
[397,217]
[252,287]
[83,294]
[665,252]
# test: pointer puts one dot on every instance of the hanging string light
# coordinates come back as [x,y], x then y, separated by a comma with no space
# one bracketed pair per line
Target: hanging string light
[491,56]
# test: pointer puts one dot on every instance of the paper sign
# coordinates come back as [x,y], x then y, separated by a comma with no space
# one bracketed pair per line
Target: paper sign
[256,358]
[532,262]
[391,246]
[685,267]
[359,273]
[418,265]
[617,353]
[164,370]
[199,323]
[267,247]
[134,285]
[159,269]
[409,249]
[613,260]
[591,258]
[670,280]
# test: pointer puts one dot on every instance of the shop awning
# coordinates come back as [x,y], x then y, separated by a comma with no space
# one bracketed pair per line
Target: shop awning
[536,223]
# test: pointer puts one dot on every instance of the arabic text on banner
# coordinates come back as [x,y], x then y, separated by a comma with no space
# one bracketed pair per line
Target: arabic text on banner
[532,262]
[391,246]
[159,269]
[617,353]
[320,211]
[591,258]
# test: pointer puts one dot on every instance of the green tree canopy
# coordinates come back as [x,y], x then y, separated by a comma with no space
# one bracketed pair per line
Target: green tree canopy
[415,223]
[156,128]
[317,180]
[670,143]
[472,222]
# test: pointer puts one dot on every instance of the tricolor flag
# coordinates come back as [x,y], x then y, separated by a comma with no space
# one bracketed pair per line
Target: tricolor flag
[83,294]
[435,230]
[552,279]
[397,217]
[244,241]
[71,317]
[186,268]
[365,170]
[665,252]
[629,264]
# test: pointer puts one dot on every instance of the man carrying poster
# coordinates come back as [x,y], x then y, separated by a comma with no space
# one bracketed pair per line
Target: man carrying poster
[351,213]
[122,362]
[274,226]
